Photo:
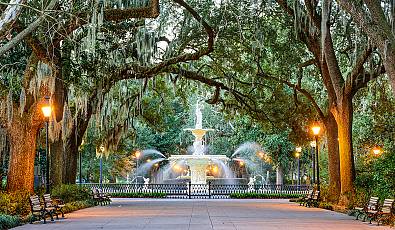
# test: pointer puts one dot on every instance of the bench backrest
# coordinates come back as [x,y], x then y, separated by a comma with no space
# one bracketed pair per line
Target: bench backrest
[48,200]
[95,193]
[35,204]
[373,203]
[316,195]
[387,206]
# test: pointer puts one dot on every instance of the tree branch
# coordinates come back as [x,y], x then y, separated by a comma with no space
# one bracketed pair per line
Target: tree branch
[11,44]
[298,88]
[9,16]
[358,68]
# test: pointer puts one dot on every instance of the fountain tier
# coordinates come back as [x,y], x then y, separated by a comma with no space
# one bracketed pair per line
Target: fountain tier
[198,165]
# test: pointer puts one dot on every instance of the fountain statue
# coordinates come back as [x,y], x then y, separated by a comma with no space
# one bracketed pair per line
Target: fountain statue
[251,184]
[198,161]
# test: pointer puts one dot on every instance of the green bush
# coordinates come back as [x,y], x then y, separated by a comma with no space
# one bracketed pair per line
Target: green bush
[139,195]
[7,221]
[70,193]
[77,205]
[326,205]
[16,203]
[253,195]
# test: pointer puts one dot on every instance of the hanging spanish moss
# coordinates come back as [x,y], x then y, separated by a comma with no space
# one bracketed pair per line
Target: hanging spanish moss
[67,122]
[54,128]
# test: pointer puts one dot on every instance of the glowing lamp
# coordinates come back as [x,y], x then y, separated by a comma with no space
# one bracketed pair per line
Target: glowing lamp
[148,160]
[316,129]
[297,154]
[376,150]
[298,149]
[137,154]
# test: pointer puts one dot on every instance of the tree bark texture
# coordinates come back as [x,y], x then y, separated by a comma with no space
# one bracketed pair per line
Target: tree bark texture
[344,117]
[333,157]
[23,150]
[56,163]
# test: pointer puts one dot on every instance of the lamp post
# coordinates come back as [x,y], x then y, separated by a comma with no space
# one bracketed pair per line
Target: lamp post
[47,110]
[101,165]
[297,154]
[137,154]
[313,145]
[262,157]
[316,131]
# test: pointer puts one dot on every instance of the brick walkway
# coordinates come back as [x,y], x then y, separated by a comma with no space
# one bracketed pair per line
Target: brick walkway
[203,214]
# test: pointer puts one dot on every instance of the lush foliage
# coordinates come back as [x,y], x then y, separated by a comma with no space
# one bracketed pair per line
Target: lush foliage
[71,193]
[139,195]
[77,205]
[8,221]
[253,195]
[16,203]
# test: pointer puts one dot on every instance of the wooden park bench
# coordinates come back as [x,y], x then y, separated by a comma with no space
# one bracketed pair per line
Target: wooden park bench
[303,200]
[106,197]
[386,211]
[313,201]
[39,211]
[99,197]
[57,205]
[96,197]
[372,205]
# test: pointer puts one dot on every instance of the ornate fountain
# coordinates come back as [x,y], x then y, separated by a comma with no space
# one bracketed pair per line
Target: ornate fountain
[198,161]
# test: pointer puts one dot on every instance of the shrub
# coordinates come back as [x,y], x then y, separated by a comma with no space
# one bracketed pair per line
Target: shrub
[139,195]
[326,205]
[16,203]
[77,205]
[253,195]
[7,221]
[70,193]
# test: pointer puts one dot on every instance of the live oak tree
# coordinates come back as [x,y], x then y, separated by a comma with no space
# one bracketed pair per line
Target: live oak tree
[317,27]
[51,64]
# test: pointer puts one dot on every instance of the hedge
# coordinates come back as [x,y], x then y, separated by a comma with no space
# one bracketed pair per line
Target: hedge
[139,195]
[253,195]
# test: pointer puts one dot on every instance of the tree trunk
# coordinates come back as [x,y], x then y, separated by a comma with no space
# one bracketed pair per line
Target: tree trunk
[22,154]
[70,159]
[389,64]
[56,163]
[333,158]
[72,144]
[344,116]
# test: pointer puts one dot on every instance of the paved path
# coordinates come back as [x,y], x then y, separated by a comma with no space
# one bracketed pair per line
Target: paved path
[149,214]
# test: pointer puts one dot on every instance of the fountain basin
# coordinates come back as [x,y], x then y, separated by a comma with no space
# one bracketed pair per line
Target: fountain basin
[198,165]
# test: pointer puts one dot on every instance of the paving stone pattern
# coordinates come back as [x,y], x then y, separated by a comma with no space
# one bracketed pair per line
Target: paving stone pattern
[159,214]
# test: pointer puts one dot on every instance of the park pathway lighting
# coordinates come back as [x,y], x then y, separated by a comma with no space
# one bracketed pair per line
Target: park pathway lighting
[47,111]
[316,131]
[313,144]
[377,150]
[297,155]
[137,155]
[101,165]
